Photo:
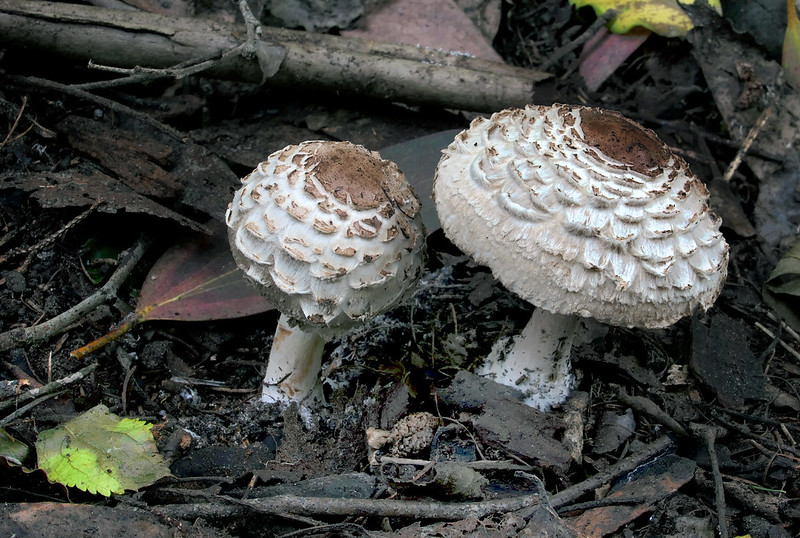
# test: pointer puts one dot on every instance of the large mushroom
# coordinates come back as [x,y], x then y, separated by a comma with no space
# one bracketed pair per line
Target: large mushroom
[331,235]
[584,213]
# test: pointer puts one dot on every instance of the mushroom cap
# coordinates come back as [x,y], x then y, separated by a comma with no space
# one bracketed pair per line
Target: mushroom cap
[330,233]
[582,211]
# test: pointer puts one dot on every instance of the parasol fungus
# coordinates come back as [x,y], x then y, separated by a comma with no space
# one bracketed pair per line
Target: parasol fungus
[583,213]
[331,235]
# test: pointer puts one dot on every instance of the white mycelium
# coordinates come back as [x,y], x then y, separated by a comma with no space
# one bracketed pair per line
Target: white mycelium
[582,211]
[331,234]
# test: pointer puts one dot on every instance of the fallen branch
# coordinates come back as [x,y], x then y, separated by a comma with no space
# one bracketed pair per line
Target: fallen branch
[302,61]
[286,505]
[60,323]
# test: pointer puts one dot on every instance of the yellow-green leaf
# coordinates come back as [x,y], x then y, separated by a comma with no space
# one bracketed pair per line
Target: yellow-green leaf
[101,453]
[791,46]
[664,17]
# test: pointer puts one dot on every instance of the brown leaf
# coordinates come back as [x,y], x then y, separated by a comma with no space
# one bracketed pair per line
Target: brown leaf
[82,188]
[198,280]
[138,160]
[39,519]
[653,483]
[438,24]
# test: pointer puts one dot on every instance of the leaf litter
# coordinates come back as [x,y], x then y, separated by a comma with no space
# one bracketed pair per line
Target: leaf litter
[444,331]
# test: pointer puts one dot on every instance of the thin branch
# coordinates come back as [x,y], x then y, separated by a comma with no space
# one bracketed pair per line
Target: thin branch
[578,41]
[755,130]
[140,75]
[253,30]
[311,506]
[102,101]
[708,435]
[783,344]
[287,505]
[649,407]
[25,408]
[49,240]
[57,325]
[51,387]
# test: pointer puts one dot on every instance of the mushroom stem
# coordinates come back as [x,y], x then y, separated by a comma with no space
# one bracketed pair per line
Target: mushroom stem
[537,361]
[294,365]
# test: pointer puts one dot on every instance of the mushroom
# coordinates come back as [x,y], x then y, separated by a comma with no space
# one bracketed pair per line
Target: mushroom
[584,213]
[331,235]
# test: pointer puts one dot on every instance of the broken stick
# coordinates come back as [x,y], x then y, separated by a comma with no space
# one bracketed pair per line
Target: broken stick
[287,58]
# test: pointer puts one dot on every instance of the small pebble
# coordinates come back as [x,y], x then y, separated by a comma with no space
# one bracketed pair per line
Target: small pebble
[15,281]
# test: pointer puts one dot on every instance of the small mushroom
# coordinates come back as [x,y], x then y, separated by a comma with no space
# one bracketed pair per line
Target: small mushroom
[331,235]
[581,212]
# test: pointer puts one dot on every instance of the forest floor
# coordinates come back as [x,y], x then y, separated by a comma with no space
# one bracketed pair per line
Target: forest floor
[685,431]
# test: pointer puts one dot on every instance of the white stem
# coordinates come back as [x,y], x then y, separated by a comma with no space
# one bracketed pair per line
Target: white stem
[294,365]
[537,361]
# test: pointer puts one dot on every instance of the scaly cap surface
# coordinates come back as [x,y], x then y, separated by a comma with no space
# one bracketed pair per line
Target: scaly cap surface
[583,211]
[329,232]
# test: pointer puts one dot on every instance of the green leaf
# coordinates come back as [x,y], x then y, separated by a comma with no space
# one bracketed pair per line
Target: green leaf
[782,288]
[791,47]
[11,449]
[101,453]
[664,17]
[96,251]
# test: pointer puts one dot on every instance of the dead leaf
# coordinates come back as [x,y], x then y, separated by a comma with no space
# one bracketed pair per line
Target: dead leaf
[653,482]
[316,16]
[436,24]
[664,17]
[722,360]
[504,422]
[743,84]
[269,58]
[53,519]
[197,280]
[138,160]
[613,430]
[83,186]
[605,52]
[417,160]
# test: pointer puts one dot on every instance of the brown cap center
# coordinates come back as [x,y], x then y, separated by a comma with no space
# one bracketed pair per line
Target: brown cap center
[623,140]
[344,171]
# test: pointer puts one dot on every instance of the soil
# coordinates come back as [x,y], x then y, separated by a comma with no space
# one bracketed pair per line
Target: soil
[714,398]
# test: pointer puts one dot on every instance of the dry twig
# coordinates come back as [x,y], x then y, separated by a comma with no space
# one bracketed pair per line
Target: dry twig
[51,387]
[648,407]
[708,435]
[28,335]
[748,141]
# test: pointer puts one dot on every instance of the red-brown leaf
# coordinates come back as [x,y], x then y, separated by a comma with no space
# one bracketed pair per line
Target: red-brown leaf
[197,280]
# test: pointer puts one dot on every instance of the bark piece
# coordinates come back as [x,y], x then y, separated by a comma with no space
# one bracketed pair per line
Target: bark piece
[653,483]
